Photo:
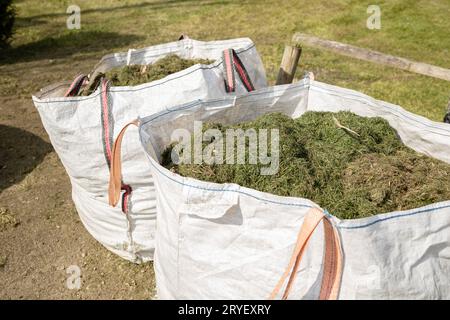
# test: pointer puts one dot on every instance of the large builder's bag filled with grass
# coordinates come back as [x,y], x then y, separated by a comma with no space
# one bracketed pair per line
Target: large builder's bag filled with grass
[224,241]
[82,129]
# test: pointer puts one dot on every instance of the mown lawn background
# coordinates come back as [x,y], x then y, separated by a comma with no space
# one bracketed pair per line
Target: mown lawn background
[418,30]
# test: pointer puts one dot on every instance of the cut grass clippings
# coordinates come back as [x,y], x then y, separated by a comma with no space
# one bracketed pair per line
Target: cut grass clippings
[350,165]
[138,74]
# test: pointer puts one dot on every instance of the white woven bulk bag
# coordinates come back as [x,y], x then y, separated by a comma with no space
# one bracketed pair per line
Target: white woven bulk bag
[224,241]
[82,129]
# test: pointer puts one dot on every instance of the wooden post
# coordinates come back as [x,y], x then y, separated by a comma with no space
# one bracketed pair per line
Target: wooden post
[289,64]
[373,56]
[447,115]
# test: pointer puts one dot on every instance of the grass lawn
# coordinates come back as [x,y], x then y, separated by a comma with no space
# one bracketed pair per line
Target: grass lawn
[417,30]
[44,51]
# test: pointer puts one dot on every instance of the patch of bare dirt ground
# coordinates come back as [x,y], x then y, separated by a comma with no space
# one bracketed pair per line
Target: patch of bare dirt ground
[41,234]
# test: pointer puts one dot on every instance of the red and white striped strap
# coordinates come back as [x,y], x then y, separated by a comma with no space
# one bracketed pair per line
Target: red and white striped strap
[332,263]
[233,64]
[108,139]
[76,85]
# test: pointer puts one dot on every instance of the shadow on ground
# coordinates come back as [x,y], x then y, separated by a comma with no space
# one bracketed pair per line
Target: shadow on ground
[67,44]
[27,21]
[20,152]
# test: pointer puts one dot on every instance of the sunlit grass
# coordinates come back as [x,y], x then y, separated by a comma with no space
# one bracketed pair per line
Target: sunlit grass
[416,30]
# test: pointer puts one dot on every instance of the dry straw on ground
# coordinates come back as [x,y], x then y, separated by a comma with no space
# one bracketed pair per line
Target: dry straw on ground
[138,74]
[7,220]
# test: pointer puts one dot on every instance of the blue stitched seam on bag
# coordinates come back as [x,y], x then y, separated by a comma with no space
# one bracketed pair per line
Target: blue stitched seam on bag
[394,217]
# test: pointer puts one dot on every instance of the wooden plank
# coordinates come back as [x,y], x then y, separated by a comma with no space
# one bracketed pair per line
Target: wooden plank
[289,64]
[373,56]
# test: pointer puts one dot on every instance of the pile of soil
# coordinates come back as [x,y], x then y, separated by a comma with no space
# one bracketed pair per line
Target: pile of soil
[352,166]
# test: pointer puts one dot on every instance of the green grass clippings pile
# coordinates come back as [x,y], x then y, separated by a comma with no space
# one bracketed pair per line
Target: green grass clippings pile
[138,74]
[353,172]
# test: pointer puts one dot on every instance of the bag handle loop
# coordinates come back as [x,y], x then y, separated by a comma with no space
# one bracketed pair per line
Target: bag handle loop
[115,174]
[233,64]
[75,86]
[332,270]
